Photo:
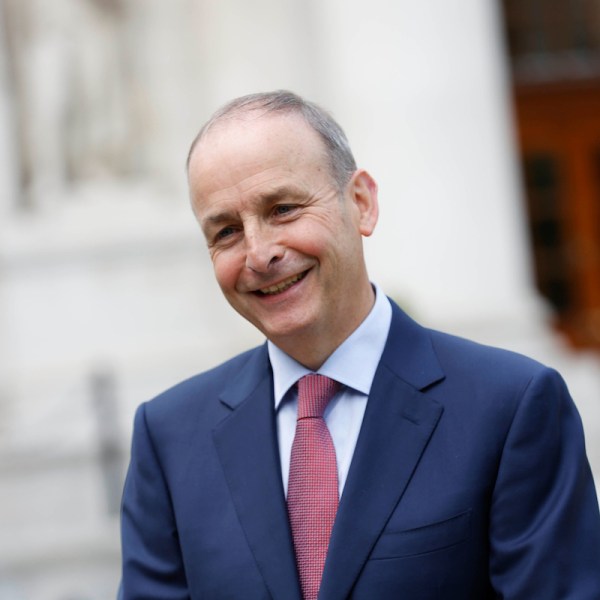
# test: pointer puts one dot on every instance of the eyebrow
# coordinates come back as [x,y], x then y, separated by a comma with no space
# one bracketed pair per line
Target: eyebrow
[264,199]
[218,218]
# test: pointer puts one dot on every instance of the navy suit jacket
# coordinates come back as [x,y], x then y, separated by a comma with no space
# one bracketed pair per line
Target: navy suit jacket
[469,480]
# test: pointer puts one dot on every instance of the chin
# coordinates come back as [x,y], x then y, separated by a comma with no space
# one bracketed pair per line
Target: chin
[284,325]
[282,329]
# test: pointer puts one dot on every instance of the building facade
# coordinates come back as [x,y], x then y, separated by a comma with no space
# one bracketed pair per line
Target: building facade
[106,289]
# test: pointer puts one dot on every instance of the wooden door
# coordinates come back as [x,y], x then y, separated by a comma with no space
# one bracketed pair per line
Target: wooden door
[559,135]
[554,49]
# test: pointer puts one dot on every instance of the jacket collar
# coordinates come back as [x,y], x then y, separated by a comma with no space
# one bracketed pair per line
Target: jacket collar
[398,424]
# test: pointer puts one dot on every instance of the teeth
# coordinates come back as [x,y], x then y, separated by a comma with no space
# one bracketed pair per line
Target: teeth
[284,285]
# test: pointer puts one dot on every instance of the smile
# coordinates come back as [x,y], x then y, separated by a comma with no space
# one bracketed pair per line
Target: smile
[283,285]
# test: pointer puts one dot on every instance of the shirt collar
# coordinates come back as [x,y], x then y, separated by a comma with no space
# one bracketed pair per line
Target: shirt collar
[353,363]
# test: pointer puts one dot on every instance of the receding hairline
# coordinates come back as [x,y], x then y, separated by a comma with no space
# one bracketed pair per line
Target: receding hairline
[244,113]
[245,106]
[283,102]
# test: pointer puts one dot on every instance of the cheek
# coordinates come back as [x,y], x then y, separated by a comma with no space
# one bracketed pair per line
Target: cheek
[227,269]
[326,248]
[310,239]
[324,234]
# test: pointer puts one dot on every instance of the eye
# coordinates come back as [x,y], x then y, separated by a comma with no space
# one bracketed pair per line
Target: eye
[224,233]
[283,209]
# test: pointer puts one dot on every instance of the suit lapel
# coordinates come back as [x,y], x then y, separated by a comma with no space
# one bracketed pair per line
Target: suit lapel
[398,423]
[246,443]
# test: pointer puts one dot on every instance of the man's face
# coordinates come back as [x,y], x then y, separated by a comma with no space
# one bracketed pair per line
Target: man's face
[284,241]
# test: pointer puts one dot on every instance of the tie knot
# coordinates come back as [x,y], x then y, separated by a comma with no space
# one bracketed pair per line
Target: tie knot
[314,393]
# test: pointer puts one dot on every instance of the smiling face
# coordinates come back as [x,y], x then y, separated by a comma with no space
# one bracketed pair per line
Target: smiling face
[285,242]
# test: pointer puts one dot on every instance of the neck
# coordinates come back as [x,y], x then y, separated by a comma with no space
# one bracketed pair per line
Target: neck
[312,349]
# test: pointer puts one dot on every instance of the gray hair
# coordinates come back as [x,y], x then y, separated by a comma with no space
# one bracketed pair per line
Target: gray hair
[341,160]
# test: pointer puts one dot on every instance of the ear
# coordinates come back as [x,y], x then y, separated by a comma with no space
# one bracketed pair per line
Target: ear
[362,189]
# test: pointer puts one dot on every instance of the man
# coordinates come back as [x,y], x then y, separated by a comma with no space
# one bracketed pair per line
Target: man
[441,469]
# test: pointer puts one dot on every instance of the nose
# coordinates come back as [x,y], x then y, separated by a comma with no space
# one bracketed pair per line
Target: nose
[262,249]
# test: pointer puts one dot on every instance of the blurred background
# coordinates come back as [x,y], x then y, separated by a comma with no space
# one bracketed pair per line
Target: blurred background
[480,119]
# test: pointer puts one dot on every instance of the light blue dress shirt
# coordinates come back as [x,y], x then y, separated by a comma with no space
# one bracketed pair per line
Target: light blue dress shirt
[353,364]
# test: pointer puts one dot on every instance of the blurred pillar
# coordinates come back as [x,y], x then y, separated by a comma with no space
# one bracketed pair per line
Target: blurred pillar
[8,194]
[110,452]
[8,150]
[426,90]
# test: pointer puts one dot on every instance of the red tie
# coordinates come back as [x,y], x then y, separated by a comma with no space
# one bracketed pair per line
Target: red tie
[313,483]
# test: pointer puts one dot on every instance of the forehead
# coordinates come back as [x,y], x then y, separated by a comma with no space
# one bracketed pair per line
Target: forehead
[255,140]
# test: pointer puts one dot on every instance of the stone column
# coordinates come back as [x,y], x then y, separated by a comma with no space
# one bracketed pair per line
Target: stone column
[422,90]
[8,146]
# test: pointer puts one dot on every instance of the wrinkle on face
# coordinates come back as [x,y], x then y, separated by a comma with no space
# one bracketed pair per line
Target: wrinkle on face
[275,219]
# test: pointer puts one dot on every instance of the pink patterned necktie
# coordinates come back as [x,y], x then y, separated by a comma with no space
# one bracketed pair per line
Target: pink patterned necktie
[313,482]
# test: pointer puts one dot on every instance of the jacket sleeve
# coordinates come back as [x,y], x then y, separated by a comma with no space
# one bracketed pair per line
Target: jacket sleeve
[544,521]
[152,565]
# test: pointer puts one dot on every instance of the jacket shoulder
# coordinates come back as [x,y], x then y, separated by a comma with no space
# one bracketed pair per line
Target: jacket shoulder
[455,351]
[200,391]
[424,357]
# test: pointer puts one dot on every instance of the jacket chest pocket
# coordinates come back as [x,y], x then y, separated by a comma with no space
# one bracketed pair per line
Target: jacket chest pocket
[424,539]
